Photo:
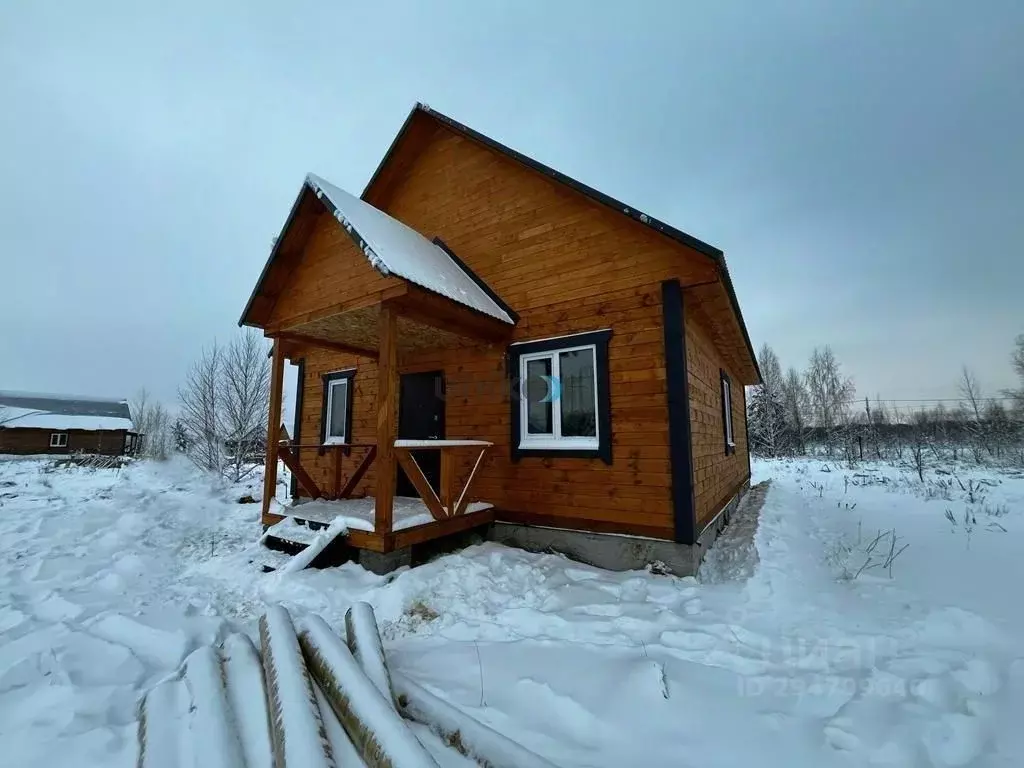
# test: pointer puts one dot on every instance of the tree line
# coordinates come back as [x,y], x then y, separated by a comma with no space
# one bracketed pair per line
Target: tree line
[817,411]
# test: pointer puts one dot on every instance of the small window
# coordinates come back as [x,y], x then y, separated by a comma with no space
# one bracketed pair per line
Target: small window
[58,439]
[560,404]
[730,442]
[336,421]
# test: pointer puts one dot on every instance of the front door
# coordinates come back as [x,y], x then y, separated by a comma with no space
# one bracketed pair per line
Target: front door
[421,417]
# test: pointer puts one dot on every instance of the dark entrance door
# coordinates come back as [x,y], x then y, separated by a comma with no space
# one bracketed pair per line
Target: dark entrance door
[421,417]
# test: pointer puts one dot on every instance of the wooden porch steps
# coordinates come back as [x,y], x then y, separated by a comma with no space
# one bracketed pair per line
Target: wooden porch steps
[293,544]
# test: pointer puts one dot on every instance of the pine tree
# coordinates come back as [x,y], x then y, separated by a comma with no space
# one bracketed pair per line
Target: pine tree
[180,436]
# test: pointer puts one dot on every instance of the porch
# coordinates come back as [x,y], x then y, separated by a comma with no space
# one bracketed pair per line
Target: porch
[402,522]
[396,296]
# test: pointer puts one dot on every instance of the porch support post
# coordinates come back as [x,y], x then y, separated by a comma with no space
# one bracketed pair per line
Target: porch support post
[273,427]
[387,396]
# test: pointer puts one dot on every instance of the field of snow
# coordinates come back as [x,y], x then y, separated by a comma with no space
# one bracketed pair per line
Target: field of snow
[805,648]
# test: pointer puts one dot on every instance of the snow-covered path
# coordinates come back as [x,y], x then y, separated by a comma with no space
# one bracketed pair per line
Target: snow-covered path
[95,609]
[110,579]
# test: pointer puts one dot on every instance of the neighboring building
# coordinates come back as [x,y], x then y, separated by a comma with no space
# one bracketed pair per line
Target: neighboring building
[472,294]
[38,423]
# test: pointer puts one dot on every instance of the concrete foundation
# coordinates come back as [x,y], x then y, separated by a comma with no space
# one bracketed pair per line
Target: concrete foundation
[381,563]
[614,552]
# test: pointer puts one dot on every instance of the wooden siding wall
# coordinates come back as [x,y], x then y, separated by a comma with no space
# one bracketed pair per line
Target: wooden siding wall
[332,271]
[716,476]
[32,441]
[631,494]
[364,416]
[567,265]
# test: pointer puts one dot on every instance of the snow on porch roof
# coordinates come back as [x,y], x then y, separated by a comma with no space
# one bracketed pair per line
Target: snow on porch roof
[395,249]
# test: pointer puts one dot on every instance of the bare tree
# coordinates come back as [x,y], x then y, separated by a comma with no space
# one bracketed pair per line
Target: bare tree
[830,393]
[972,413]
[244,392]
[919,442]
[999,429]
[877,421]
[767,411]
[199,411]
[898,434]
[795,401]
[1017,395]
[224,403]
[152,420]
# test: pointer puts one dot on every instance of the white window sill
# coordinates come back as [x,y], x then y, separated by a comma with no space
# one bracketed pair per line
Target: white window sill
[555,444]
[334,441]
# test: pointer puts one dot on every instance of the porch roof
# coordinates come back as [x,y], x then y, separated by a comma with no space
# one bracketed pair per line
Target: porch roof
[395,249]
[390,247]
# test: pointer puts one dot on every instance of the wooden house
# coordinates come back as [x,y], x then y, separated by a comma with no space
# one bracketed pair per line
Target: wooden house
[481,339]
[37,423]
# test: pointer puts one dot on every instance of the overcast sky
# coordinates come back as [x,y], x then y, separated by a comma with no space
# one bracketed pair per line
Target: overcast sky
[861,163]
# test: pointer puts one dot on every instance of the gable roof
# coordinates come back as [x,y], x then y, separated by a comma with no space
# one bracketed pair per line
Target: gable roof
[395,249]
[45,411]
[391,247]
[715,254]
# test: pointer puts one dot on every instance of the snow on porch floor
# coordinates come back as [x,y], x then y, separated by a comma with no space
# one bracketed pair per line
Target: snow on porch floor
[407,512]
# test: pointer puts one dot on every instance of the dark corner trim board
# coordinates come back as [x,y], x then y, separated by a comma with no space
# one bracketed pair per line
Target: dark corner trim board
[483,286]
[729,449]
[684,508]
[300,386]
[600,341]
[746,433]
[327,378]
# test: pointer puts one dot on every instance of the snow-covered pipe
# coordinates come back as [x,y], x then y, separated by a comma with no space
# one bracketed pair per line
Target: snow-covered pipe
[364,642]
[297,731]
[161,710]
[471,737]
[377,730]
[210,720]
[246,690]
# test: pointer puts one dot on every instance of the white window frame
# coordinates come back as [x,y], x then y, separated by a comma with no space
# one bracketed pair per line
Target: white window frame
[58,439]
[331,386]
[730,439]
[554,439]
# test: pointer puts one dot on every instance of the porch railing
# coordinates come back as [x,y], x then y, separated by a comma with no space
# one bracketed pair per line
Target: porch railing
[288,452]
[448,501]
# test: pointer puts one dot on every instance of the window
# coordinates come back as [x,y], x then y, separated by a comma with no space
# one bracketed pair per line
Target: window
[730,443]
[336,418]
[58,439]
[560,401]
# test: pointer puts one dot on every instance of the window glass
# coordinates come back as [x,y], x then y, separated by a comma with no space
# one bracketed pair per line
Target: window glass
[339,411]
[577,393]
[538,397]
[727,405]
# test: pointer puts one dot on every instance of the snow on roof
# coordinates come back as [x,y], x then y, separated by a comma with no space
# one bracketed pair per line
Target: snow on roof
[394,248]
[45,411]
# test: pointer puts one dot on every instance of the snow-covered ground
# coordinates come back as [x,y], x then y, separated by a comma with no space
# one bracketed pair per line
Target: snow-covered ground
[793,657]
